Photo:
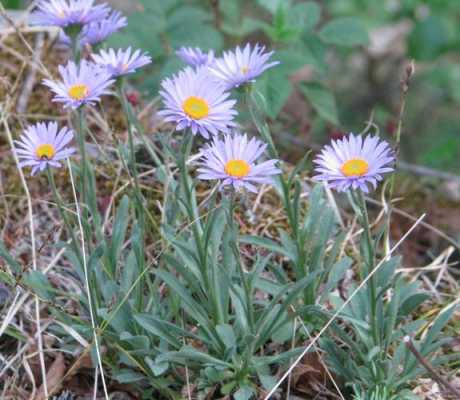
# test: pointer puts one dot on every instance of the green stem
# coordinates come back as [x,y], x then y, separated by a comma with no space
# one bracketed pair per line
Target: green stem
[190,207]
[288,203]
[135,123]
[133,167]
[370,262]
[80,128]
[244,281]
[63,214]
[132,153]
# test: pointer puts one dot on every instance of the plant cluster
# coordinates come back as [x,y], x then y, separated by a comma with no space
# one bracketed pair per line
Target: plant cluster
[215,310]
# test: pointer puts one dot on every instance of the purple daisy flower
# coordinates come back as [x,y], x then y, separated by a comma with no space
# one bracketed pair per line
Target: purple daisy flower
[237,67]
[97,32]
[354,162]
[42,145]
[232,161]
[195,56]
[193,100]
[64,13]
[80,85]
[121,62]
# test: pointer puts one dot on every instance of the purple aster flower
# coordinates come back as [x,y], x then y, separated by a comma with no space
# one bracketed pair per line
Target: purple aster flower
[237,67]
[80,85]
[232,161]
[193,100]
[97,32]
[354,162]
[42,145]
[65,13]
[122,62]
[195,56]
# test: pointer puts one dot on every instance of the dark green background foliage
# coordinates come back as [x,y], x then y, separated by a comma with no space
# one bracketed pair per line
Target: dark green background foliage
[341,81]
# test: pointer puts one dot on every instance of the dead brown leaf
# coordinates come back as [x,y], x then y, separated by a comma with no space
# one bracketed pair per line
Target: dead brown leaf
[53,378]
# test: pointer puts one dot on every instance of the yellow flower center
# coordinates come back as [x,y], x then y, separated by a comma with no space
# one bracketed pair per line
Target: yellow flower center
[237,168]
[244,70]
[196,107]
[78,91]
[45,151]
[355,167]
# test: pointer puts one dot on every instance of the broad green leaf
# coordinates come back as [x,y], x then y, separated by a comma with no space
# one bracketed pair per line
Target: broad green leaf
[345,31]
[158,368]
[276,89]
[429,38]
[304,16]
[322,100]
[227,335]
[128,376]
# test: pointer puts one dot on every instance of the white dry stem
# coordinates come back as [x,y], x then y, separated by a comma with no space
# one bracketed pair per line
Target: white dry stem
[88,291]
[338,312]
[34,254]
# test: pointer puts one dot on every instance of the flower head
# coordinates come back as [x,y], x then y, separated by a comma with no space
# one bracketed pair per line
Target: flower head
[42,145]
[232,161]
[240,66]
[193,100]
[80,85]
[97,32]
[64,13]
[354,162]
[121,62]
[195,56]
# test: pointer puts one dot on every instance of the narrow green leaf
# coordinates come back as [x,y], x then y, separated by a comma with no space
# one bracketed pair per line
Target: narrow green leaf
[266,243]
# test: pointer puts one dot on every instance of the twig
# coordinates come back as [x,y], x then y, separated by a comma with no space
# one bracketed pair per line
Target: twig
[342,307]
[405,83]
[438,378]
[426,171]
